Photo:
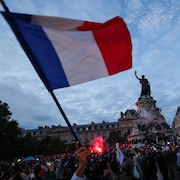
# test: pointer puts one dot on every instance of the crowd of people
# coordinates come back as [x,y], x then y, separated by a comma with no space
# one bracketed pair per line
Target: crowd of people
[148,162]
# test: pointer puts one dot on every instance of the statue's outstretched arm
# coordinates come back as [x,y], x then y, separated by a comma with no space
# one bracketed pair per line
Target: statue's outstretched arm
[136,75]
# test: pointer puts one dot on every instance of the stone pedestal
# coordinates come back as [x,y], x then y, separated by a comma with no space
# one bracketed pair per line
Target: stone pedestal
[146,109]
[150,121]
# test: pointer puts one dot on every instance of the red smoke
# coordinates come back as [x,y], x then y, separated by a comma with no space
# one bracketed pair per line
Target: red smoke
[97,145]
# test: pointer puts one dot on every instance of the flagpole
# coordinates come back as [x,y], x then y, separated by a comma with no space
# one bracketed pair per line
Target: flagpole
[4,6]
[64,116]
[43,78]
[69,125]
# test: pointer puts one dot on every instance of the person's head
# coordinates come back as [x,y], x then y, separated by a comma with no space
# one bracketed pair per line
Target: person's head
[117,145]
[115,167]
[178,148]
[127,166]
[143,76]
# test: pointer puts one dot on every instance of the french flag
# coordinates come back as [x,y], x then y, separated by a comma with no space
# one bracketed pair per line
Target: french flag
[66,52]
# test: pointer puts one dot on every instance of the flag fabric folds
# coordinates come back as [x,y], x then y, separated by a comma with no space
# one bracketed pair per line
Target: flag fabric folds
[119,154]
[67,52]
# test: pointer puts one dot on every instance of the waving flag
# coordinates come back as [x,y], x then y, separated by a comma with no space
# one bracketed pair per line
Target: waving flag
[67,52]
[119,154]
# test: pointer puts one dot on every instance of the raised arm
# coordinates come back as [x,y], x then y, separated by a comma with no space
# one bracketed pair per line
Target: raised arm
[82,154]
[136,75]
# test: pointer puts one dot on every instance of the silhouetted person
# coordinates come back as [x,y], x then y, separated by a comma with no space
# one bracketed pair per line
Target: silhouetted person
[145,89]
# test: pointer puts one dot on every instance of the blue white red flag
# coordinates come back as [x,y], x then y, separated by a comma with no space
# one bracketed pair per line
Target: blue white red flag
[67,52]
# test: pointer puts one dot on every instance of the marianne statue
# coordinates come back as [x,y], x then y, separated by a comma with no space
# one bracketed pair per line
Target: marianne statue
[145,89]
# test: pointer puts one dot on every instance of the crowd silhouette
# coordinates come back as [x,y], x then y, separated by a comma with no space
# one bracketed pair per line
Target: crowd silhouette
[148,162]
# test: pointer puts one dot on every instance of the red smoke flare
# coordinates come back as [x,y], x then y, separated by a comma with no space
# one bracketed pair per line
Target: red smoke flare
[97,145]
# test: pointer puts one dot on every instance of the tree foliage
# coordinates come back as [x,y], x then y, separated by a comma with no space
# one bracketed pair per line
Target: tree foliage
[114,137]
[13,145]
[51,145]
[9,132]
[28,146]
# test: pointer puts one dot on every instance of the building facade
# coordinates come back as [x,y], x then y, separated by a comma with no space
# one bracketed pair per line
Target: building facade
[176,122]
[86,132]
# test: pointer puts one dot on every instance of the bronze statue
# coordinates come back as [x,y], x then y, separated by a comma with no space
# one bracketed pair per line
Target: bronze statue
[145,89]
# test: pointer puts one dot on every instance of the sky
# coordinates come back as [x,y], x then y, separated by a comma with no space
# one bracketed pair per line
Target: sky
[154,26]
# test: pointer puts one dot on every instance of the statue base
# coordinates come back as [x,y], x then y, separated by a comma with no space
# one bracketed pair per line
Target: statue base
[150,124]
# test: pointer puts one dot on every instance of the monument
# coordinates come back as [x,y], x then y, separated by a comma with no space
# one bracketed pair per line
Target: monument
[150,125]
[145,89]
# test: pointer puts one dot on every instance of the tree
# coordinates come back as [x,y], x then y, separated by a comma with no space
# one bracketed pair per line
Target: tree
[114,137]
[9,132]
[28,146]
[51,145]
